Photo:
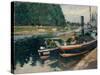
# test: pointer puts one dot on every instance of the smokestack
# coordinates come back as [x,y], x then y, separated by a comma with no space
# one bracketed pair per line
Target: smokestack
[82,24]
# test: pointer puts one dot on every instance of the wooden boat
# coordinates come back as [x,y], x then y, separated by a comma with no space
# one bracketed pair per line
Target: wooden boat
[70,50]
[74,50]
[44,53]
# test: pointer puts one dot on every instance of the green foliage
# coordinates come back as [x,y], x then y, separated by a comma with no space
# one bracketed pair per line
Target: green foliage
[69,41]
[38,14]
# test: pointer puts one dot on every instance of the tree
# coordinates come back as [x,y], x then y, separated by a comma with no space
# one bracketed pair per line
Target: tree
[38,14]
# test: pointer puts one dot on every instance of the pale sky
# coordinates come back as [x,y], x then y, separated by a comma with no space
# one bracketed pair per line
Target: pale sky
[73,12]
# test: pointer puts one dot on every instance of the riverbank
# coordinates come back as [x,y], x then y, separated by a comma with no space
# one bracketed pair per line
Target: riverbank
[88,62]
[31,30]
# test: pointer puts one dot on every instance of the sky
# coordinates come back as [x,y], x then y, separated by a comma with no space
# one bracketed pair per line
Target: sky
[73,12]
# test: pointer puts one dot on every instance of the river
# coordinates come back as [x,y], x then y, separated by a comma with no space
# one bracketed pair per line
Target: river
[29,61]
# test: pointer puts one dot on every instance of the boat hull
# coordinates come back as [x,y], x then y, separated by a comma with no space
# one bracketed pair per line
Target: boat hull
[74,50]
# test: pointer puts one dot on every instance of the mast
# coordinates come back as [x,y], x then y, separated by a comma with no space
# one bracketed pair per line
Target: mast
[90,14]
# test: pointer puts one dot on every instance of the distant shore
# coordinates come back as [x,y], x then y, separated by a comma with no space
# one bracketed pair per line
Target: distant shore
[31,30]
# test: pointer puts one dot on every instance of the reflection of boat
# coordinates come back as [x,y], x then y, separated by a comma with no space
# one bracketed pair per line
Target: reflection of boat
[73,50]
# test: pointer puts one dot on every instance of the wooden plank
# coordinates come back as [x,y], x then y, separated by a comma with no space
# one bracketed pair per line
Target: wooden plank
[46,50]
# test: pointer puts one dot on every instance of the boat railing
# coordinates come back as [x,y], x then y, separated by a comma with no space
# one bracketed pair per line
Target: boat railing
[79,45]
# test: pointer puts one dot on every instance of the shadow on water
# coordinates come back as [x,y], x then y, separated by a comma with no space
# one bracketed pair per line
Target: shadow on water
[26,48]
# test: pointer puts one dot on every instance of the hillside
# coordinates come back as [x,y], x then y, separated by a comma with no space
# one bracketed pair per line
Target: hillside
[38,14]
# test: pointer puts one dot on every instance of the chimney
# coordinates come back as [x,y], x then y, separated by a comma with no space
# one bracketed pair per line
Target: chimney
[82,25]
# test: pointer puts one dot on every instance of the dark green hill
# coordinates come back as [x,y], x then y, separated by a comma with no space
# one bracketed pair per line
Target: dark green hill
[38,14]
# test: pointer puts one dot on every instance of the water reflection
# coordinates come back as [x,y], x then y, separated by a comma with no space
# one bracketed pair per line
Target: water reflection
[26,53]
[26,48]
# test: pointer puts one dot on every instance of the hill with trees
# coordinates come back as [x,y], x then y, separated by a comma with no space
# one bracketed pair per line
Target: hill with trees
[26,13]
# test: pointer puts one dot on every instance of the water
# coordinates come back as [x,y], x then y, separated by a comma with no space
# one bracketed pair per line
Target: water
[27,58]
[17,37]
